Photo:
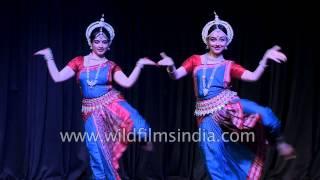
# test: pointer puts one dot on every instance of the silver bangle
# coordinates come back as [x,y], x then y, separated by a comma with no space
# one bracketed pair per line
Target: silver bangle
[171,72]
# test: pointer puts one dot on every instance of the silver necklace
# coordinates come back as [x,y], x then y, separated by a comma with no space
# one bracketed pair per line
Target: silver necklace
[92,83]
[205,89]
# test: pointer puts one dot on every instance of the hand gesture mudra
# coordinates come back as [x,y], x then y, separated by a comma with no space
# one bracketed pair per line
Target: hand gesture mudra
[46,53]
[145,61]
[166,60]
[274,54]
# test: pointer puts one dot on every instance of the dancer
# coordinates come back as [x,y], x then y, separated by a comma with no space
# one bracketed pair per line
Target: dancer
[219,110]
[104,110]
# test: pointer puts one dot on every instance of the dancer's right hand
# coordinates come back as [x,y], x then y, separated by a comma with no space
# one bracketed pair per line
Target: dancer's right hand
[146,61]
[166,60]
[46,53]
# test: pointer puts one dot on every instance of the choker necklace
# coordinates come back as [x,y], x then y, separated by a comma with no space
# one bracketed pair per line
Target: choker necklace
[91,57]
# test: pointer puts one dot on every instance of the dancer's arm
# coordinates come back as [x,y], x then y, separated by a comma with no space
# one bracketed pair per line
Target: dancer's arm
[273,54]
[128,82]
[57,76]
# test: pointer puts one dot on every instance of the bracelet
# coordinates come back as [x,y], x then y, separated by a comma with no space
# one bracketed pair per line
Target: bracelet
[171,71]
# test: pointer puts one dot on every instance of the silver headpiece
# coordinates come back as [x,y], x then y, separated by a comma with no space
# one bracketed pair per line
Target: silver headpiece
[100,24]
[217,21]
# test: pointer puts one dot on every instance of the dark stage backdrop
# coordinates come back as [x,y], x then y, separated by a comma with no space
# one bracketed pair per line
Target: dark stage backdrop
[33,109]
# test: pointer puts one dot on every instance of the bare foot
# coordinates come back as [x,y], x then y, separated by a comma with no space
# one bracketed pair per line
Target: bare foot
[286,151]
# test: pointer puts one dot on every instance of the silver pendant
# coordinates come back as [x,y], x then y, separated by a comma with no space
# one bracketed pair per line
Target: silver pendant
[91,83]
[205,91]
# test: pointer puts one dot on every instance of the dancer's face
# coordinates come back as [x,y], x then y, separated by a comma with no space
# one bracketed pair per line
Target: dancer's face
[217,41]
[100,45]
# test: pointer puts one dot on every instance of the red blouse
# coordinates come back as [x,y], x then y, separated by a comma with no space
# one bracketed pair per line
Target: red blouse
[236,70]
[76,64]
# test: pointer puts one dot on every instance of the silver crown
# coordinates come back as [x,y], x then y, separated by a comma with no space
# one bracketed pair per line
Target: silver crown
[100,24]
[217,21]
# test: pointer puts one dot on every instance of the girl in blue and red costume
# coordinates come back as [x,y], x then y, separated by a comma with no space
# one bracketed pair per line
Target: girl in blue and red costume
[220,110]
[104,110]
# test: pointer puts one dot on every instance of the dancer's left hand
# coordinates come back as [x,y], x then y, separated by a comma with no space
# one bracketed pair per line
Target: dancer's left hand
[274,54]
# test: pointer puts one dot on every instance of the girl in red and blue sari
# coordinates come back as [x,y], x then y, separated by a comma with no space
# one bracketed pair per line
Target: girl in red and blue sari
[220,112]
[106,114]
